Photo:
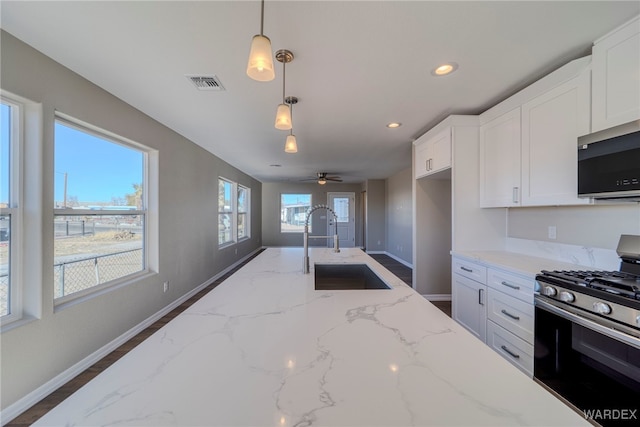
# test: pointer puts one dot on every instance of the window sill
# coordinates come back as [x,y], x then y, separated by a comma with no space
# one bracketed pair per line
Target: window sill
[65,302]
[16,323]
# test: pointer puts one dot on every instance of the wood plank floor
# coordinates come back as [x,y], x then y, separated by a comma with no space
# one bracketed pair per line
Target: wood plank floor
[45,405]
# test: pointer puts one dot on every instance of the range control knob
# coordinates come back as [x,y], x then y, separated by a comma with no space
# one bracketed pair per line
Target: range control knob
[567,296]
[601,308]
[549,291]
[638,320]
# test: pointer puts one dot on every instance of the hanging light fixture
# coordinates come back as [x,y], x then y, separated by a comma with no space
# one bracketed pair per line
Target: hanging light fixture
[291,145]
[283,114]
[260,65]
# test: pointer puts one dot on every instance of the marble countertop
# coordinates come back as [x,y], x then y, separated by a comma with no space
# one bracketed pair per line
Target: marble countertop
[266,349]
[517,263]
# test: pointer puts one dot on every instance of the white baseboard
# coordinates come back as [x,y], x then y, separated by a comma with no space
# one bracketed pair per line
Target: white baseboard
[17,408]
[438,297]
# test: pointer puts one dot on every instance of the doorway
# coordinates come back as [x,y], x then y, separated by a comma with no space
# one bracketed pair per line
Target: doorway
[344,205]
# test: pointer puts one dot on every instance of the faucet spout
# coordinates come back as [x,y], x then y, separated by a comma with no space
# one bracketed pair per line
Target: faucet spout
[306,237]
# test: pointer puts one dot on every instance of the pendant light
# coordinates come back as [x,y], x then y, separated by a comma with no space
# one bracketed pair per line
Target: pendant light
[291,145]
[283,114]
[260,65]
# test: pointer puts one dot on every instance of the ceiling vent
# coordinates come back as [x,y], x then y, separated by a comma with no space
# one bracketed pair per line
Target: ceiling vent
[207,83]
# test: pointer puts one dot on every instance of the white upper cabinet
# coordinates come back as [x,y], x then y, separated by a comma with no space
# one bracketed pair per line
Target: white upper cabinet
[529,142]
[551,124]
[500,161]
[433,155]
[616,77]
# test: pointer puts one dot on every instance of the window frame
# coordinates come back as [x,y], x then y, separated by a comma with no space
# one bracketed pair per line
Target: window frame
[15,305]
[246,213]
[144,213]
[231,213]
[235,213]
[310,205]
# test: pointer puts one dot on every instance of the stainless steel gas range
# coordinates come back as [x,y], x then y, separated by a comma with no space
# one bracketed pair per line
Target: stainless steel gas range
[587,338]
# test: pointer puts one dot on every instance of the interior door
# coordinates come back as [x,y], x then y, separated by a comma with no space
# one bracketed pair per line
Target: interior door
[343,204]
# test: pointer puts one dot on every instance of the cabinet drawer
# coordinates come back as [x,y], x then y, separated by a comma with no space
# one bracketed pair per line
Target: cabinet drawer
[471,270]
[512,348]
[510,284]
[514,315]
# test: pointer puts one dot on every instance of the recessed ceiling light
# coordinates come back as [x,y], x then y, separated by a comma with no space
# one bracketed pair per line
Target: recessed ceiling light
[445,69]
[394,125]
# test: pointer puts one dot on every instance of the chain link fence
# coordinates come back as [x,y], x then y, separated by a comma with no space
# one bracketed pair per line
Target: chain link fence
[80,274]
[4,294]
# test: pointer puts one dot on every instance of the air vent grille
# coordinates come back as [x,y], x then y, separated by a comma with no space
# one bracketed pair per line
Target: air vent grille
[206,83]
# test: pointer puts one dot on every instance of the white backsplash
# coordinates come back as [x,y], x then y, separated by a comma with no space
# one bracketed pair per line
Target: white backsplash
[596,258]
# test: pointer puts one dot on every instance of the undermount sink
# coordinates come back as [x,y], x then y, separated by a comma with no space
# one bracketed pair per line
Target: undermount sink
[346,276]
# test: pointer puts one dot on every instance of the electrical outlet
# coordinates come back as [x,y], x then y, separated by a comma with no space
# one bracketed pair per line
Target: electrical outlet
[166,286]
[552,232]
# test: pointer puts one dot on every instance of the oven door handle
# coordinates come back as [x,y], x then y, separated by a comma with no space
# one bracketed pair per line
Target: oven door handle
[582,321]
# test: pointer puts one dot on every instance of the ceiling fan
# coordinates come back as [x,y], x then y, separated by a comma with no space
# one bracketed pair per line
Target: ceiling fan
[322,178]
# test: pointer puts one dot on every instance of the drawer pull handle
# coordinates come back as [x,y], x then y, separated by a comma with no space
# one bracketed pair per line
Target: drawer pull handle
[506,313]
[468,270]
[509,285]
[480,295]
[512,354]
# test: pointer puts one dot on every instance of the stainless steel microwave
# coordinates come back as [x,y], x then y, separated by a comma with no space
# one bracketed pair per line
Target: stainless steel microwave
[609,163]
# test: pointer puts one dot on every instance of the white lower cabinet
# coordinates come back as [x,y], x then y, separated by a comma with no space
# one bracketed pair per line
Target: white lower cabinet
[469,296]
[468,306]
[497,307]
[514,349]
[512,314]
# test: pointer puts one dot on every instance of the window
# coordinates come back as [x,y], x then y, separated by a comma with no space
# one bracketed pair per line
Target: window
[10,141]
[225,211]
[293,211]
[234,220]
[243,212]
[100,188]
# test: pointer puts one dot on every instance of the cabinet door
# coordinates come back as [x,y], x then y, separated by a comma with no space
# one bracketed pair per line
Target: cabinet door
[616,81]
[551,124]
[469,305]
[439,152]
[500,161]
[420,163]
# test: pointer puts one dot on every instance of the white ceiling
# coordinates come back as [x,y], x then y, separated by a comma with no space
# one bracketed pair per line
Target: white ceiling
[358,65]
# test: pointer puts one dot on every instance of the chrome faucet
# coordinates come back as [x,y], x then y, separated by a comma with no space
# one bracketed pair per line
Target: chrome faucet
[336,247]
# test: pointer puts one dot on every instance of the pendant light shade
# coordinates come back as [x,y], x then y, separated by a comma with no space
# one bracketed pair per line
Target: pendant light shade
[260,65]
[283,113]
[283,117]
[290,145]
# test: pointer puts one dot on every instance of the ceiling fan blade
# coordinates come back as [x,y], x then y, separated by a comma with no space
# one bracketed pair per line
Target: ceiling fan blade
[333,178]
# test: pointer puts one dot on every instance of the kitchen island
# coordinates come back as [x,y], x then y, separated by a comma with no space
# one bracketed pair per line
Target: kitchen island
[266,349]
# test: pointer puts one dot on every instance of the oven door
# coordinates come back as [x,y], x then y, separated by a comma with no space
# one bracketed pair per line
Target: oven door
[593,367]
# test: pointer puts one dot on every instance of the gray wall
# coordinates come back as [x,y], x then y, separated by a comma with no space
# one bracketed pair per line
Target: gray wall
[597,226]
[271,235]
[399,215]
[376,227]
[35,352]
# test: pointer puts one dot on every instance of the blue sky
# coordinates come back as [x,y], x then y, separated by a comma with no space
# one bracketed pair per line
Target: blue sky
[291,199]
[97,170]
